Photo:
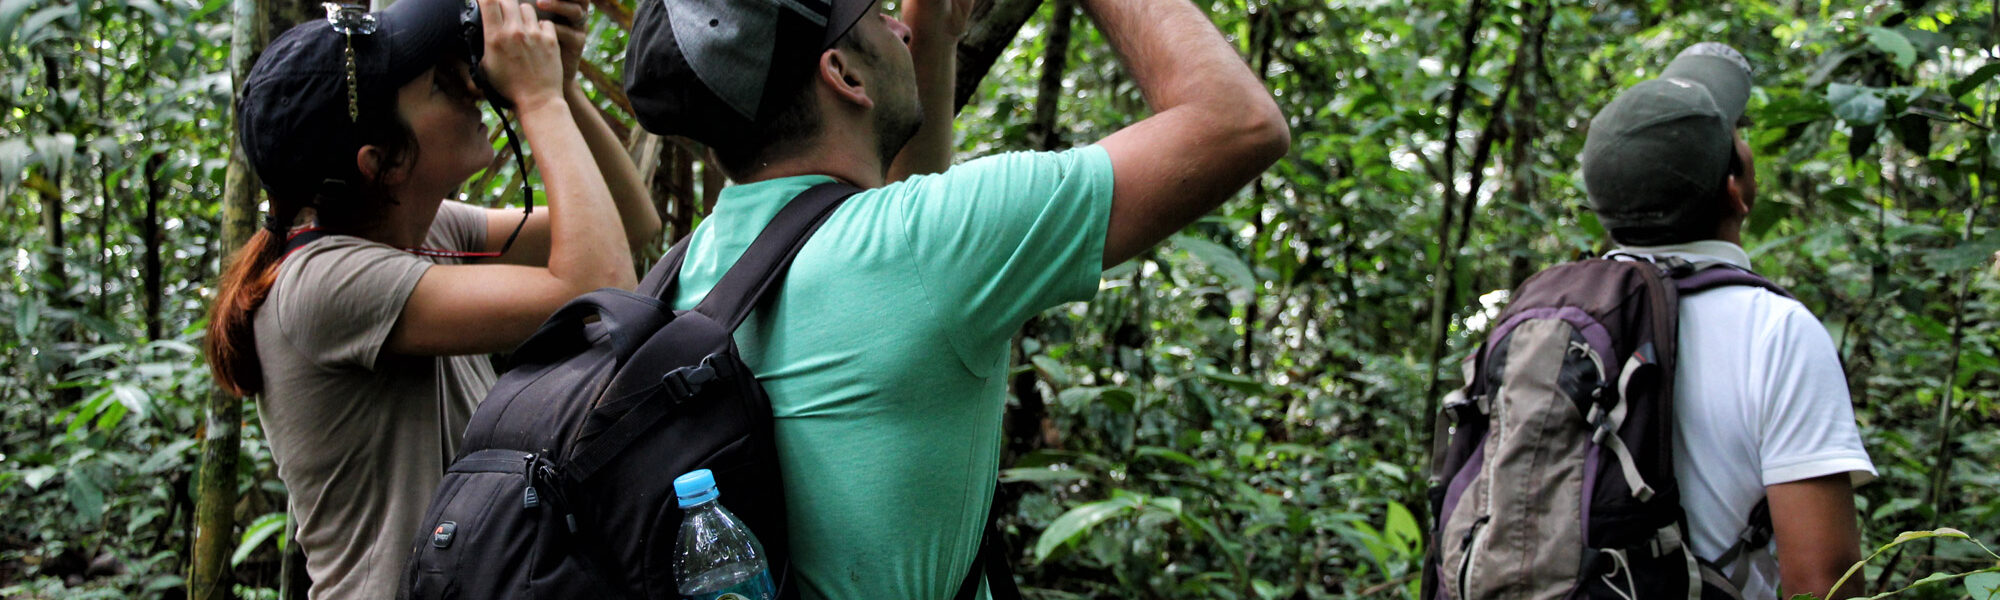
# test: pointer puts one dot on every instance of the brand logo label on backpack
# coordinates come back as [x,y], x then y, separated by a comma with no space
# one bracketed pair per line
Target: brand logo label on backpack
[441,537]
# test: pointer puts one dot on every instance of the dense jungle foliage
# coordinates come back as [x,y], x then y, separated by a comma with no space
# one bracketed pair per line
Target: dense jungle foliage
[1243,413]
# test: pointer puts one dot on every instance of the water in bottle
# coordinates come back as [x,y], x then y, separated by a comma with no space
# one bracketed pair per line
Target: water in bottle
[716,557]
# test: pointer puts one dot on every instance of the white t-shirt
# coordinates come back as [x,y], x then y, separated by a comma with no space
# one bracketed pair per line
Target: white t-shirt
[1759,400]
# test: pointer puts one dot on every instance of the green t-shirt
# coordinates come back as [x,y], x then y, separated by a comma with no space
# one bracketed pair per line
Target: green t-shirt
[885,355]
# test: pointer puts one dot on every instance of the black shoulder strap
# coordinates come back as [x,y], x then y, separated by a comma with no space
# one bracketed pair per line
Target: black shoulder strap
[763,265]
[991,562]
[660,281]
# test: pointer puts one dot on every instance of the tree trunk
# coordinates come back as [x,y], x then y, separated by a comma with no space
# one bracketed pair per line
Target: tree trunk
[216,489]
[149,232]
[1044,132]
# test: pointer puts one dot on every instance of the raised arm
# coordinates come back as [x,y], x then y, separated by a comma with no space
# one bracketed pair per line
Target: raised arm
[468,309]
[1214,127]
[635,208]
[935,28]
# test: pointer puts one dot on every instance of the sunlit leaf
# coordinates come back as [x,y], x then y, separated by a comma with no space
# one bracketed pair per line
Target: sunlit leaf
[1894,44]
[255,534]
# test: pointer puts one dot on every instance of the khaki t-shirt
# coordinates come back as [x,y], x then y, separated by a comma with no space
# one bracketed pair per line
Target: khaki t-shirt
[361,437]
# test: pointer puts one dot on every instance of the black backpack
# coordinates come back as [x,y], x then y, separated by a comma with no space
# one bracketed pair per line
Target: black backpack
[564,484]
[1556,479]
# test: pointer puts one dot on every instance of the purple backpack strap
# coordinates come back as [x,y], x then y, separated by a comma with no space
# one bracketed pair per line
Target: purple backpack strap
[1709,276]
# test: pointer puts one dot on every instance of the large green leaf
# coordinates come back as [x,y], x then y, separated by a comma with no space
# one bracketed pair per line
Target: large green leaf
[1983,586]
[1894,44]
[253,536]
[1078,521]
[1858,106]
[1978,78]
[1221,261]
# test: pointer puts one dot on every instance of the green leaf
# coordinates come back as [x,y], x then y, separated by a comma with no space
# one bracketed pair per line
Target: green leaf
[254,535]
[1895,506]
[1223,262]
[1965,256]
[84,495]
[1078,521]
[1893,44]
[1052,369]
[10,16]
[1402,528]
[1858,106]
[1978,78]
[1166,453]
[1044,475]
[1983,586]
[134,399]
[1115,398]
[37,476]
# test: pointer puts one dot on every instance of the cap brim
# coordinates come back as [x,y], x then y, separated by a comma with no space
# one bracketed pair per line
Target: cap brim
[842,18]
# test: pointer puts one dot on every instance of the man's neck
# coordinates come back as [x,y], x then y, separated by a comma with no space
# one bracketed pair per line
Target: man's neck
[843,149]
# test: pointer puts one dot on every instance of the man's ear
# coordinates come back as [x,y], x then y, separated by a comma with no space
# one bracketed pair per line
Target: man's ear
[369,160]
[842,75]
[1735,199]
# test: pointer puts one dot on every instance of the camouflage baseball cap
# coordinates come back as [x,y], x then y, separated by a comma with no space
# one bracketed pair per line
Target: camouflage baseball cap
[1663,146]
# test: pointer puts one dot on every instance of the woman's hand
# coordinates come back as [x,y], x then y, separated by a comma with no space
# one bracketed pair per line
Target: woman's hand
[571,36]
[943,19]
[523,58]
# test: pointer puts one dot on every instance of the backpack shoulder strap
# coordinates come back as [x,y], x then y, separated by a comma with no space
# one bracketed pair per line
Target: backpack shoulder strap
[764,264]
[992,563]
[1706,276]
[661,281]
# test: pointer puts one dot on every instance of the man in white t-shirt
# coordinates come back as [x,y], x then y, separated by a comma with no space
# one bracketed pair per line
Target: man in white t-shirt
[1761,405]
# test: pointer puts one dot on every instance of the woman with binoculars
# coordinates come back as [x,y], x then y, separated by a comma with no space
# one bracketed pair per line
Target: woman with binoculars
[361,315]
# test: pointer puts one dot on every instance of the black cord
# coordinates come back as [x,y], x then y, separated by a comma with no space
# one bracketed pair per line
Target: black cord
[527,190]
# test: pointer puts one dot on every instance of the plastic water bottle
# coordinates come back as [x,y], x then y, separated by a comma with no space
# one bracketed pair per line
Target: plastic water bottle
[716,557]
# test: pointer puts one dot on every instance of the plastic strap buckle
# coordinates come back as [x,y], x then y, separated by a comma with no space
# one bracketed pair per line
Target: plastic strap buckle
[686,382]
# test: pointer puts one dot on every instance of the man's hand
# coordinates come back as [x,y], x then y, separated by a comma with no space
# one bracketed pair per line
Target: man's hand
[571,36]
[945,20]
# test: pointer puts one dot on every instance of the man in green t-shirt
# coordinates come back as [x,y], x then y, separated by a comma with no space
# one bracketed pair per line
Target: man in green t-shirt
[885,355]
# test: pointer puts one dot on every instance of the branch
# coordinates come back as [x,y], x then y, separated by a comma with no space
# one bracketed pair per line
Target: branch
[994,25]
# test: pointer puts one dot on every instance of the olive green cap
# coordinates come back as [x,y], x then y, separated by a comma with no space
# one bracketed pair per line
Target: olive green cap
[1665,145]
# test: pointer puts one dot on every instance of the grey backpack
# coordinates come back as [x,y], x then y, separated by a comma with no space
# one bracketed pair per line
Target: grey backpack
[1556,480]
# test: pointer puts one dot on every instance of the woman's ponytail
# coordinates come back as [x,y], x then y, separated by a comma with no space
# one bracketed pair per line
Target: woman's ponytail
[231,343]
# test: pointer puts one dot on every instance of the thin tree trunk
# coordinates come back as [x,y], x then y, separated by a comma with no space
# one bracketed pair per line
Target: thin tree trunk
[1441,272]
[1044,133]
[149,232]
[56,245]
[216,490]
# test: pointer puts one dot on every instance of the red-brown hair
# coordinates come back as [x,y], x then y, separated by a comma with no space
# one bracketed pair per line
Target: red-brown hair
[231,343]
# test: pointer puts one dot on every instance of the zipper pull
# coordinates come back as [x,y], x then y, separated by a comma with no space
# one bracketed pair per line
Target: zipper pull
[529,497]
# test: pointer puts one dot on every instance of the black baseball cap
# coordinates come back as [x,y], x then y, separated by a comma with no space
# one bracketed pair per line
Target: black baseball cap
[1662,149]
[294,111]
[710,69]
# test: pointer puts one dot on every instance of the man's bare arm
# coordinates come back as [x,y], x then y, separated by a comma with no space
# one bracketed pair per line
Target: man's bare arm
[1214,127]
[1817,536]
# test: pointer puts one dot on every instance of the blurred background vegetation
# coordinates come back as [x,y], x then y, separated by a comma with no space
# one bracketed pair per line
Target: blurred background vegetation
[1240,414]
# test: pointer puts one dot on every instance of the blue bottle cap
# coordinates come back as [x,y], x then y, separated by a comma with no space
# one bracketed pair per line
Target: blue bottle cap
[695,487]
